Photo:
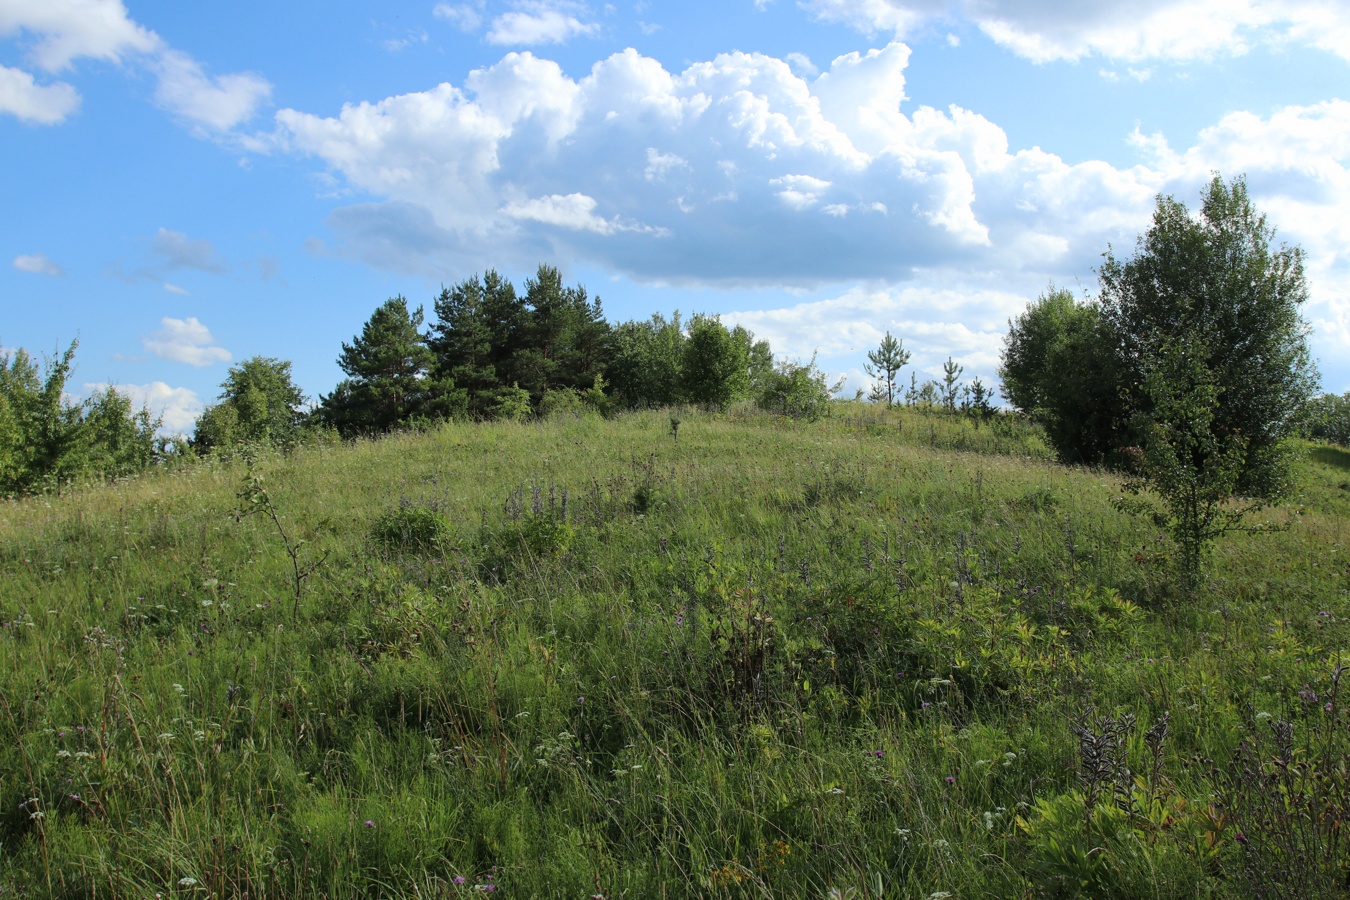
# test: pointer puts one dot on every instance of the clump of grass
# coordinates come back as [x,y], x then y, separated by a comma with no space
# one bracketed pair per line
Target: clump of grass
[412,528]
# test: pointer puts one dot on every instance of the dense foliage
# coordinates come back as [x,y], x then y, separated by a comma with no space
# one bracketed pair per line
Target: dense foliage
[1059,365]
[1327,418]
[259,404]
[47,441]
[495,354]
[1218,279]
[1215,279]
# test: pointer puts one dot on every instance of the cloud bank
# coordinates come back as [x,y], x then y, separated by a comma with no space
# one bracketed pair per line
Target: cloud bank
[1126,30]
[739,171]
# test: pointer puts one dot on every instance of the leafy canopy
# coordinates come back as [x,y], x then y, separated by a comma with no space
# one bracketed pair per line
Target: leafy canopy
[1219,280]
[259,403]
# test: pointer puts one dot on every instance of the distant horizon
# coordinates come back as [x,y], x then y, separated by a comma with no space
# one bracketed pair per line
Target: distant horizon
[191,187]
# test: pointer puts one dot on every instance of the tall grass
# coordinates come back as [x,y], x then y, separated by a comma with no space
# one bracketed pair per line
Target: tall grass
[856,658]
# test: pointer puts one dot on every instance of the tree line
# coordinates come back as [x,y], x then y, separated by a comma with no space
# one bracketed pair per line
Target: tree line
[47,440]
[493,352]
[1203,322]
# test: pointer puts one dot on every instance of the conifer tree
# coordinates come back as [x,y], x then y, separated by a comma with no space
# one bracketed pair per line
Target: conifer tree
[885,364]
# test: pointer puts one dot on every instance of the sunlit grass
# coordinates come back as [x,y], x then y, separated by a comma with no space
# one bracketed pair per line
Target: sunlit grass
[762,658]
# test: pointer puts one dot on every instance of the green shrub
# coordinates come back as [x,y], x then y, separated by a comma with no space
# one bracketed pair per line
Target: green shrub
[412,528]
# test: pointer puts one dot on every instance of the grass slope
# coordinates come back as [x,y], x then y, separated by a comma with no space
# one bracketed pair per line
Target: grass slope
[881,655]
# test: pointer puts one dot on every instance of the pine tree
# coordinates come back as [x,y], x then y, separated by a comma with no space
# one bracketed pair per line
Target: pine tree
[387,364]
[951,376]
[885,364]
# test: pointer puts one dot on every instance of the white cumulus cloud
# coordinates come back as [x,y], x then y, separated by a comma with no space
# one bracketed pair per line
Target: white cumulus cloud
[65,30]
[38,264]
[43,104]
[467,16]
[739,171]
[543,22]
[735,170]
[185,341]
[548,27]
[60,32]
[574,211]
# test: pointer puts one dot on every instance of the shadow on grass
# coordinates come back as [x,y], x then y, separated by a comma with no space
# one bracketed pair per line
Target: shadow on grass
[1332,456]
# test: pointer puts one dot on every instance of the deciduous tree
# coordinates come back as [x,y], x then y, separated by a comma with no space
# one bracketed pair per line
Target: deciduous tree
[1218,279]
[259,404]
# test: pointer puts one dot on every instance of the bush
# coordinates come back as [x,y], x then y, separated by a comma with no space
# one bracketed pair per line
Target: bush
[414,528]
[1058,367]
[797,391]
[1327,418]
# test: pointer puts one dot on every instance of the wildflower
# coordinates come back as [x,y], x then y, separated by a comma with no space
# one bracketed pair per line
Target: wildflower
[878,753]
[458,879]
[187,881]
[369,824]
[951,779]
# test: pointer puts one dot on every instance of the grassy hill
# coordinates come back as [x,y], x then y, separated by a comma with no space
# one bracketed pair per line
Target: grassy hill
[882,655]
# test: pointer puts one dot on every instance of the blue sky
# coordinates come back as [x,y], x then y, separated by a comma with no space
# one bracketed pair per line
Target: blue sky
[190,185]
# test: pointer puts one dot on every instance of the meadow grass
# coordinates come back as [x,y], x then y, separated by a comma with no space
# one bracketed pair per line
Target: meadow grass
[886,654]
